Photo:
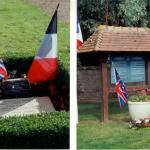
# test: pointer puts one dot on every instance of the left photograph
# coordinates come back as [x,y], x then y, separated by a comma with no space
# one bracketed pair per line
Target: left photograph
[34,74]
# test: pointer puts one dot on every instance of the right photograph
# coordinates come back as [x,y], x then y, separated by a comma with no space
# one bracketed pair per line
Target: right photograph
[113,74]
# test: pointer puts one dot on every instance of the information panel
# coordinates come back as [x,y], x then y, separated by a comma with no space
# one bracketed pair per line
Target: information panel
[130,69]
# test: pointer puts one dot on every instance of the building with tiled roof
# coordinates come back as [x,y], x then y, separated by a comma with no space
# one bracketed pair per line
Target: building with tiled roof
[124,48]
[118,39]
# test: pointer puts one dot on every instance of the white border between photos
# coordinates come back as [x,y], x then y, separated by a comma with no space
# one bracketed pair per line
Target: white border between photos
[73,74]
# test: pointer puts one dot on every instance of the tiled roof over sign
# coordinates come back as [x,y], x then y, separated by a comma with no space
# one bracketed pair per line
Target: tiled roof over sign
[117,39]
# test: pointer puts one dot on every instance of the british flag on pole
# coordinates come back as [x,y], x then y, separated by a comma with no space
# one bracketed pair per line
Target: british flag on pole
[3,71]
[121,90]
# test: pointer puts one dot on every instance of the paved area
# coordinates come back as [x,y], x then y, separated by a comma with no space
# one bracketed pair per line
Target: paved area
[25,106]
[49,7]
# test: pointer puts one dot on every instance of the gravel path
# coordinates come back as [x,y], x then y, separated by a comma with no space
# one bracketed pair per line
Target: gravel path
[49,7]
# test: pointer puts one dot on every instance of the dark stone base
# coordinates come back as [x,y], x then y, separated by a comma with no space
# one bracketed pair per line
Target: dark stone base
[16,88]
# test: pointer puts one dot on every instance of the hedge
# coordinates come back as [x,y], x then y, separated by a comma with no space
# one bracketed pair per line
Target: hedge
[22,65]
[61,83]
[45,130]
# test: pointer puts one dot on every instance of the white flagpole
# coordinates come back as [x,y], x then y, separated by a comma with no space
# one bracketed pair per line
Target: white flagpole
[73,74]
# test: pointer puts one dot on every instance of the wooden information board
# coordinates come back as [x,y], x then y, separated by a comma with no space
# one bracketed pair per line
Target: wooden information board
[130,69]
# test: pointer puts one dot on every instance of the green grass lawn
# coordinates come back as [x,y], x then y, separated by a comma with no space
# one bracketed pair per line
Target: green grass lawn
[22,27]
[92,134]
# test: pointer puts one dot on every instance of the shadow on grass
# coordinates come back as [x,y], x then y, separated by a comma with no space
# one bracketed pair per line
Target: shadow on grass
[92,111]
[89,111]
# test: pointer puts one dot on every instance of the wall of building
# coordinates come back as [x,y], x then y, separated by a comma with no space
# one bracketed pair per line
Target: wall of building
[89,84]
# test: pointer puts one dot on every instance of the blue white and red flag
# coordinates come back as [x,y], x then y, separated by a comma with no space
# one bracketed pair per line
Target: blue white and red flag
[79,35]
[121,90]
[45,64]
[3,71]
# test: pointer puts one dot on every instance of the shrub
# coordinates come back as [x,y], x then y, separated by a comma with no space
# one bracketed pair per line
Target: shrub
[139,98]
[45,130]
[59,95]
[21,65]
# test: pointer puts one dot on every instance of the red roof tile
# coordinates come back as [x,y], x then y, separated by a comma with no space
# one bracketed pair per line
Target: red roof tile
[118,39]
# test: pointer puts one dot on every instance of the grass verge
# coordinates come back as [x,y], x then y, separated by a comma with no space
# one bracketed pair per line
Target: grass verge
[22,28]
[92,134]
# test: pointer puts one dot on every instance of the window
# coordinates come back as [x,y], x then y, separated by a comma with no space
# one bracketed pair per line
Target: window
[130,69]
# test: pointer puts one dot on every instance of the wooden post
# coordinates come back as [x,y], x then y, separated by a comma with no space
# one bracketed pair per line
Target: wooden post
[148,71]
[104,77]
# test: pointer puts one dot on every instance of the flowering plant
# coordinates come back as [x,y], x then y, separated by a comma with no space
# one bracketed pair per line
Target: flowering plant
[140,123]
[139,98]
[142,96]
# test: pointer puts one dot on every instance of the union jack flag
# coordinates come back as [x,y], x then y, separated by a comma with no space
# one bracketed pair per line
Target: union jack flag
[121,90]
[3,71]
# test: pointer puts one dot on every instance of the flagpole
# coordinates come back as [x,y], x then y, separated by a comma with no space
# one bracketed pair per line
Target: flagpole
[73,74]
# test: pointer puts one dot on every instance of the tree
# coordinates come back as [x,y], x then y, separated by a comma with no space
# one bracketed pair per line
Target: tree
[134,13]
[89,15]
[95,12]
[112,12]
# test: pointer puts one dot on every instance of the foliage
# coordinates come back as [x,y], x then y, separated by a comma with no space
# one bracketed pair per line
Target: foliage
[45,130]
[139,98]
[114,16]
[134,13]
[88,13]
[92,13]
[88,27]
[118,13]
[59,89]
[59,94]
[21,65]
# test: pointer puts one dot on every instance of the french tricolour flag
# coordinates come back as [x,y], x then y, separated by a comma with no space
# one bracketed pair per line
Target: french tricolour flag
[45,63]
[3,71]
[79,35]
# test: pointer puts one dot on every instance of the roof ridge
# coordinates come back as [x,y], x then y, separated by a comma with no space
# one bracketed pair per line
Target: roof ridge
[90,41]
[105,28]
[118,39]
[99,40]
